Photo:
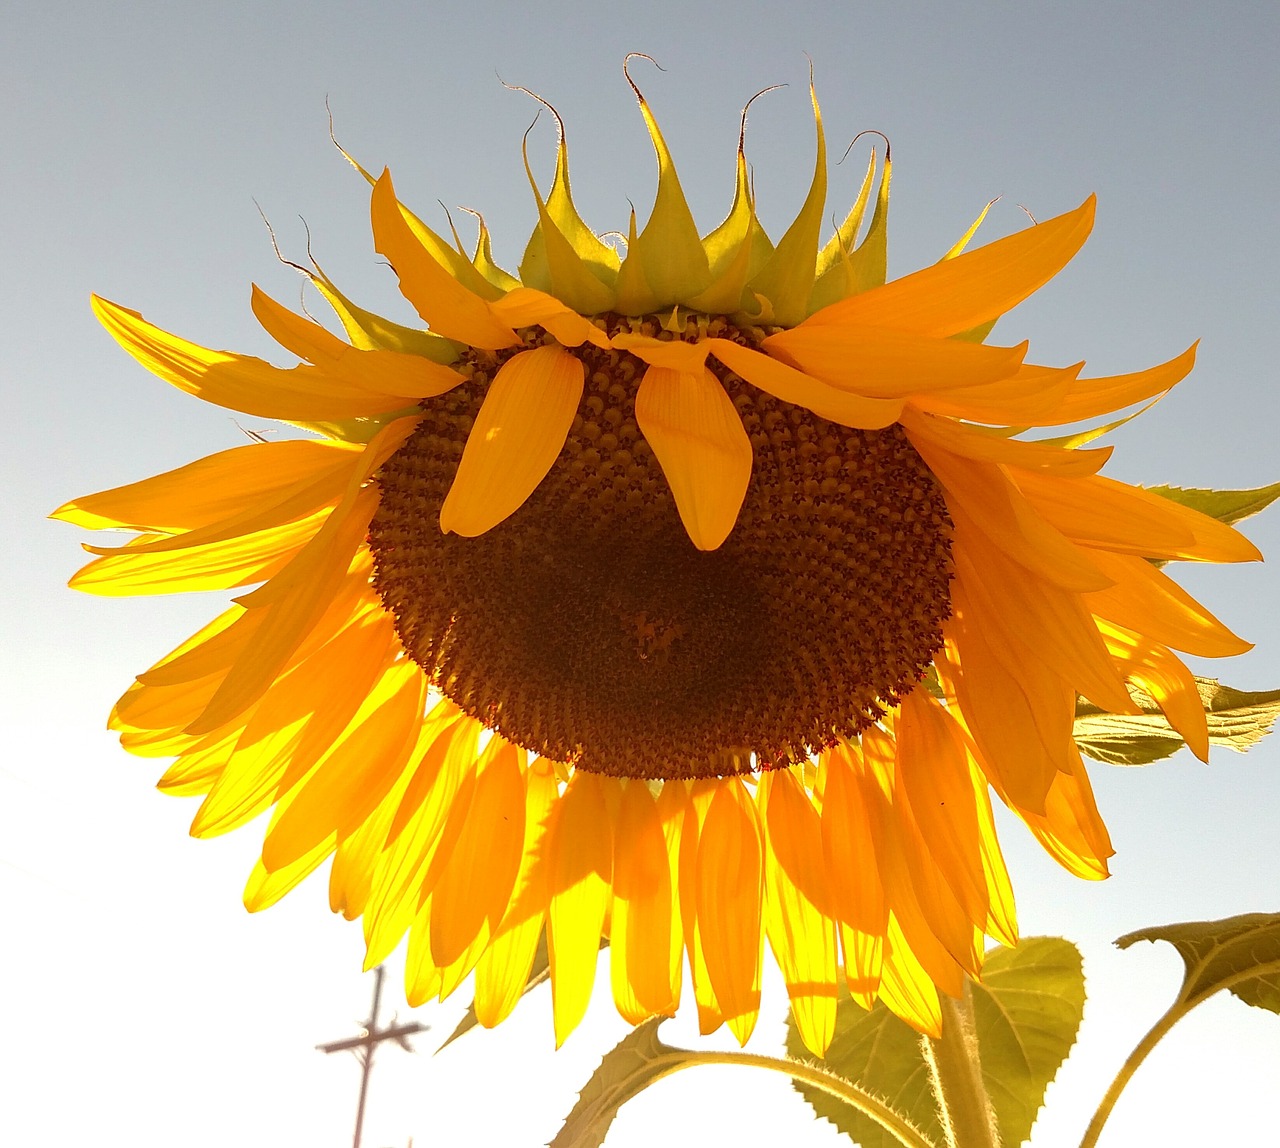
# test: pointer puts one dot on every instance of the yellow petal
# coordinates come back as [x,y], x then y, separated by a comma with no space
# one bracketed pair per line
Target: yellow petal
[798,921]
[471,897]
[518,434]
[580,869]
[300,717]
[698,440]
[851,861]
[389,372]
[240,382]
[1157,671]
[960,293]
[793,386]
[525,307]
[1111,515]
[221,565]
[503,969]
[446,306]
[645,936]
[887,364]
[729,894]
[356,772]
[211,489]
[690,803]
[1149,602]
[906,988]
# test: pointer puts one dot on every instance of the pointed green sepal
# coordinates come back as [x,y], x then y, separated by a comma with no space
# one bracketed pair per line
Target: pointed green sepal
[551,261]
[736,250]
[787,279]
[1229,506]
[836,278]
[668,250]
[370,332]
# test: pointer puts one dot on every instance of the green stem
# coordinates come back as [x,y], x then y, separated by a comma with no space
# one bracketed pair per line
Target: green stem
[956,1072]
[892,1122]
[1130,1066]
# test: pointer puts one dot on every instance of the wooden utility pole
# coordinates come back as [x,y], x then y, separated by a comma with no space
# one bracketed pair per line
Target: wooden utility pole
[364,1045]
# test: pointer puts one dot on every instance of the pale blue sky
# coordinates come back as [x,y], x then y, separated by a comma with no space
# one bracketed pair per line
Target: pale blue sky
[134,140]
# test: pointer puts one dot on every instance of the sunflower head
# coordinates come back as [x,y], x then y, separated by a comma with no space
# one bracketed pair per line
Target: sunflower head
[692,596]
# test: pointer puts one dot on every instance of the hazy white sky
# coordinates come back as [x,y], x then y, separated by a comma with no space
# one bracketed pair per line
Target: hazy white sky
[140,1003]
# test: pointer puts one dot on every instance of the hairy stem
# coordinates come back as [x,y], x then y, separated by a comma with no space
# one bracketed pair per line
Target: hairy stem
[956,1071]
[891,1121]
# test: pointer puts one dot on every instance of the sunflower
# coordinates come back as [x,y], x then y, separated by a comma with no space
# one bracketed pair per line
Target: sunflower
[688,597]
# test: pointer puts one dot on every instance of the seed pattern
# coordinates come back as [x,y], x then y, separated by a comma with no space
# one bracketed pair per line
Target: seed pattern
[587,627]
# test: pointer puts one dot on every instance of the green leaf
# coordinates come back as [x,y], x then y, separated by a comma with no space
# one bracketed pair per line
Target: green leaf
[1229,506]
[633,1064]
[1241,954]
[880,1053]
[1237,719]
[1027,1008]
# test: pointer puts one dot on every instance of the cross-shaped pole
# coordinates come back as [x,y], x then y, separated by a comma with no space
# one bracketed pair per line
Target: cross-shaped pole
[364,1045]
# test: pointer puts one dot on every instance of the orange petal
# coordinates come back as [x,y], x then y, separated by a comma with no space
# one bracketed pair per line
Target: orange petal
[793,386]
[518,434]
[958,294]
[356,772]
[645,936]
[886,364]
[699,441]
[211,489]
[984,493]
[1110,515]
[446,306]
[1149,602]
[241,382]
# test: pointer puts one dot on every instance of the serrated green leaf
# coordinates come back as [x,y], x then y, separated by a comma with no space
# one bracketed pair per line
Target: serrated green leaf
[1237,719]
[633,1064]
[1240,954]
[1026,1011]
[1027,1008]
[1229,506]
[880,1053]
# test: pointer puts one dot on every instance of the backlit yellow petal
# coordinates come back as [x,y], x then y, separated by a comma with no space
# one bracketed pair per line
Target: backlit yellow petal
[728,890]
[580,870]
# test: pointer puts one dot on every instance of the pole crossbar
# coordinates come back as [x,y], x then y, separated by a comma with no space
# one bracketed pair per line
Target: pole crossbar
[364,1045]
